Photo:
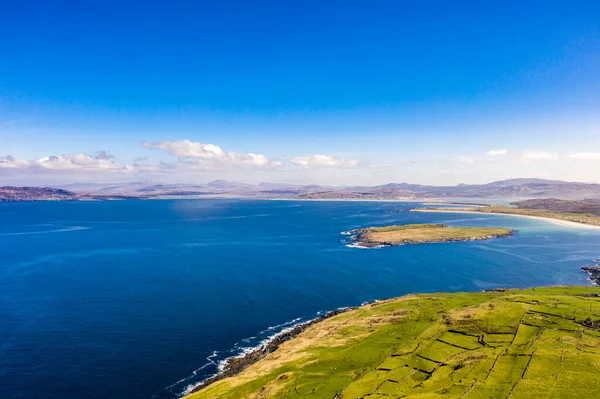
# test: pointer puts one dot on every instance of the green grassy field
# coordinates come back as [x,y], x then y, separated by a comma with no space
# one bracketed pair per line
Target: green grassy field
[512,344]
[421,233]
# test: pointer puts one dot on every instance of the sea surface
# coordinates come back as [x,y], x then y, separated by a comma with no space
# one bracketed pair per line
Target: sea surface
[140,299]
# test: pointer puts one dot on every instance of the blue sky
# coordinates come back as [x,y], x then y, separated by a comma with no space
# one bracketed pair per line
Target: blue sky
[330,92]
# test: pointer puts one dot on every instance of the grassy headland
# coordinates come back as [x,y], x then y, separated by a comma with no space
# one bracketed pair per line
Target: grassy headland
[424,233]
[532,343]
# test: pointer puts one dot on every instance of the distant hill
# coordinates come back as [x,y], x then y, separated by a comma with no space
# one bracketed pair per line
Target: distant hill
[522,188]
[523,181]
[230,185]
[21,194]
[16,194]
[558,205]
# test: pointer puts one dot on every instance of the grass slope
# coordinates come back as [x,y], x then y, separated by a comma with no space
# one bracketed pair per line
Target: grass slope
[517,344]
[421,233]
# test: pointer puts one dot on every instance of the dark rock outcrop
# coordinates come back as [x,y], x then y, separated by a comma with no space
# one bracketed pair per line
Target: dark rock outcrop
[594,272]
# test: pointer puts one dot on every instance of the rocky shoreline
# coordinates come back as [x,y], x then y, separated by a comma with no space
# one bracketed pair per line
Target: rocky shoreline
[235,365]
[593,271]
[360,237]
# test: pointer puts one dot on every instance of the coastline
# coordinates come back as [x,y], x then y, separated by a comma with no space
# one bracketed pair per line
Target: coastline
[236,364]
[283,375]
[552,220]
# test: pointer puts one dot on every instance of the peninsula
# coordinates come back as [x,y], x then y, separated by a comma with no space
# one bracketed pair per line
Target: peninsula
[565,216]
[539,342]
[423,233]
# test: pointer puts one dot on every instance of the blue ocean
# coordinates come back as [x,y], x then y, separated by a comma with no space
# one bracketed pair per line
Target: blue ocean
[143,299]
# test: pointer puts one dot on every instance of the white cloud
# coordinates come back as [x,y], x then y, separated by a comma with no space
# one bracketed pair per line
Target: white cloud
[102,162]
[320,161]
[466,160]
[586,156]
[209,156]
[103,155]
[80,162]
[380,166]
[496,153]
[530,156]
[8,162]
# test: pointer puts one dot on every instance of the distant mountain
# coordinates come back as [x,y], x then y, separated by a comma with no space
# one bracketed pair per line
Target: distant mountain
[112,188]
[265,186]
[19,194]
[521,188]
[230,185]
[523,181]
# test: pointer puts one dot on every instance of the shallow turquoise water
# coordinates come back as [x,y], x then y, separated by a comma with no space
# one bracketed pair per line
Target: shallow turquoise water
[123,299]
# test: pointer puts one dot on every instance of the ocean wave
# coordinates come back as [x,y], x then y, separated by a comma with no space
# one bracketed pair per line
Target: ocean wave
[351,242]
[63,230]
[356,245]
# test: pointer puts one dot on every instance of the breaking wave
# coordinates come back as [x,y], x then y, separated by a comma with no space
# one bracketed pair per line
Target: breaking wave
[217,361]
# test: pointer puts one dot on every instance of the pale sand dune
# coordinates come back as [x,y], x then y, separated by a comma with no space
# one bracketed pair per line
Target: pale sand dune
[555,221]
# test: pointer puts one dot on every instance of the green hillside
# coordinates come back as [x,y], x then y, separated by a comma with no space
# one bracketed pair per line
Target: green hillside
[535,343]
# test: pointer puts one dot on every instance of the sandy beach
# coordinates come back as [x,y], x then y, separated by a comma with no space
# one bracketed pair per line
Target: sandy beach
[551,220]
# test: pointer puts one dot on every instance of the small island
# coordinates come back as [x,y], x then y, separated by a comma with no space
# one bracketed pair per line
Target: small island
[423,233]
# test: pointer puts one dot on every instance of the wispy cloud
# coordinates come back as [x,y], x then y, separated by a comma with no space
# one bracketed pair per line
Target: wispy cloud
[9,162]
[532,156]
[466,160]
[324,161]
[103,155]
[380,166]
[496,153]
[101,162]
[209,156]
[586,156]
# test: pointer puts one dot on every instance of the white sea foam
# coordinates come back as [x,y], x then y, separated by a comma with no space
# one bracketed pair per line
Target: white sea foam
[64,230]
[219,360]
[356,245]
